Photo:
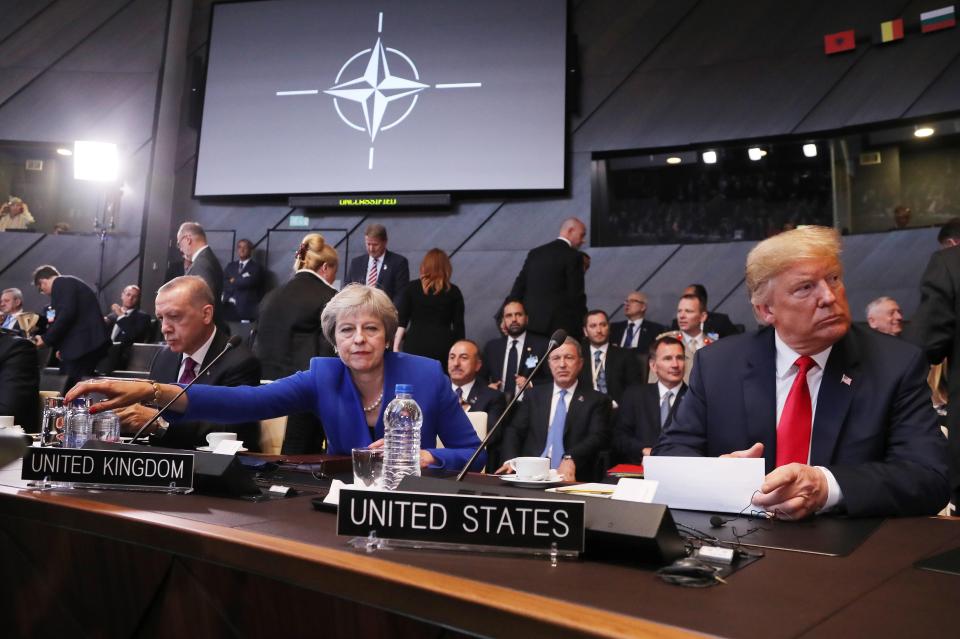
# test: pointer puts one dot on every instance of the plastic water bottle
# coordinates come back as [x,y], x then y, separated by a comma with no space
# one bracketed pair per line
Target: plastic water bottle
[78,425]
[402,421]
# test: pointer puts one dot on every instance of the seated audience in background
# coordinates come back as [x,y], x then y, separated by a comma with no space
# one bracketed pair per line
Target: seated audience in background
[647,408]
[15,319]
[348,394]
[508,360]
[884,316]
[242,285]
[127,325]
[19,381]
[636,331]
[565,421]
[15,214]
[608,368]
[463,364]
[386,270]
[184,307]
[289,333]
[716,325]
[77,331]
[431,310]
[550,285]
[841,415]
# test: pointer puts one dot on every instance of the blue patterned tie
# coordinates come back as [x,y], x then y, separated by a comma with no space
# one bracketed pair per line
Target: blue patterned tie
[554,449]
[665,407]
[628,338]
[601,373]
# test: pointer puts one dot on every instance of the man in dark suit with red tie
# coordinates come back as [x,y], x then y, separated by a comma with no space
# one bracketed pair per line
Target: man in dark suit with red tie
[184,307]
[565,421]
[388,271]
[841,415]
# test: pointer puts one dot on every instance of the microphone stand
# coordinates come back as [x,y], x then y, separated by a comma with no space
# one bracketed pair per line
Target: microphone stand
[555,340]
[232,343]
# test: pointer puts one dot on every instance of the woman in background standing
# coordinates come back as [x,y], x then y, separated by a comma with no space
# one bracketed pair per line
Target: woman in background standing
[431,311]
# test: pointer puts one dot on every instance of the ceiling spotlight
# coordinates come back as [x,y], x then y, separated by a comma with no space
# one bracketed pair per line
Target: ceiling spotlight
[755,153]
[673,159]
[95,161]
[63,151]
[924,131]
[810,150]
[709,157]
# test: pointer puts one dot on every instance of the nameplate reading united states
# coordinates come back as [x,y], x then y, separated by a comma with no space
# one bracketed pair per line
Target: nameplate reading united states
[462,519]
[109,467]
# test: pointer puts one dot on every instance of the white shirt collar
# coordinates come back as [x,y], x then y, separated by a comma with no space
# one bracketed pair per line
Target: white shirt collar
[787,357]
[663,389]
[602,348]
[199,354]
[569,243]
[466,388]
[570,391]
[193,258]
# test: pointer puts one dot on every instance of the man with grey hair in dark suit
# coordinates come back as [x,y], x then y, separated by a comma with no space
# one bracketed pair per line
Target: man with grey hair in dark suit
[192,244]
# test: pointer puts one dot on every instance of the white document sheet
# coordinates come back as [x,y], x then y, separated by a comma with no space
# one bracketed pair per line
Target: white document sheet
[705,483]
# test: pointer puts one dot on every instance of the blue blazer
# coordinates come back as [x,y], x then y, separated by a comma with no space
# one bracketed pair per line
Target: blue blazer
[875,428]
[328,391]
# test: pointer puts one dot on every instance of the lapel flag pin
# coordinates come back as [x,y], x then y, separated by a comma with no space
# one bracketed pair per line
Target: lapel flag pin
[845,380]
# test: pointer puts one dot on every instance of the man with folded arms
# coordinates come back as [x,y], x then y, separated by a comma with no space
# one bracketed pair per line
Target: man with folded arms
[565,421]
[841,415]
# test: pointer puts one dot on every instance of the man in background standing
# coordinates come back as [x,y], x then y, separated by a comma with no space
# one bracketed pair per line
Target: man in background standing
[384,269]
[242,285]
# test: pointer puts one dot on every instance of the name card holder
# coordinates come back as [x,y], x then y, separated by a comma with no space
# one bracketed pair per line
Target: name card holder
[71,468]
[380,520]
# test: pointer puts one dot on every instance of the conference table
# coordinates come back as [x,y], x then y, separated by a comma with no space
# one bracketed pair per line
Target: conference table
[121,564]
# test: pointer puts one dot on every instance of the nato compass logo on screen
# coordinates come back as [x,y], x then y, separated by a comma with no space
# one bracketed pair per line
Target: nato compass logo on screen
[377,97]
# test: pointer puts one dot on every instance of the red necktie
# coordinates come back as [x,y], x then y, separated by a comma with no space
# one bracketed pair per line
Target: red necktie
[796,421]
[189,371]
[372,275]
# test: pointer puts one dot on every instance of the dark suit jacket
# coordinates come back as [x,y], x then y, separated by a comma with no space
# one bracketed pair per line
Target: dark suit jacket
[648,332]
[637,423]
[935,326]
[245,289]
[493,403]
[495,352]
[551,287]
[19,381]
[394,274]
[134,327]
[238,367]
[288,333]
[207,266]
[874,428]
[78,327]
[718,323]
[586,432]
[620,368]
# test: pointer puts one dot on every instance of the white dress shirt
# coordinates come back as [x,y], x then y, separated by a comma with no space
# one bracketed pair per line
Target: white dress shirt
[786,373]
[553,406]
[197,356]
[466,390]
[663,390]
[636,324]
[506,353]
[370,263]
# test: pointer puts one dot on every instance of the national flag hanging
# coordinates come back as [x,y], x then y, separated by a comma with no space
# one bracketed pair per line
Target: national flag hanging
[891,30]
[943,18]
[839,41]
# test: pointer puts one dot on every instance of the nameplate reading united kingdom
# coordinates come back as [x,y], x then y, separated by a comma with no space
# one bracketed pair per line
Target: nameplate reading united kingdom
[462,519]
[138,469]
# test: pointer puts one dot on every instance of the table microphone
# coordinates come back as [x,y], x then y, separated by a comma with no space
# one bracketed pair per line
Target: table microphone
[556,339]
[233,342]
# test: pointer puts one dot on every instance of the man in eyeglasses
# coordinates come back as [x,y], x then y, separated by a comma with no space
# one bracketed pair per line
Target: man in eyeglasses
[565,421]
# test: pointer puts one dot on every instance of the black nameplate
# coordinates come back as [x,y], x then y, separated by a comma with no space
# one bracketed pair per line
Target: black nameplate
[462,519]
[112,467]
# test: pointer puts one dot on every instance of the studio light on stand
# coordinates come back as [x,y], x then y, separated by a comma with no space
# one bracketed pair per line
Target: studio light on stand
[100,162]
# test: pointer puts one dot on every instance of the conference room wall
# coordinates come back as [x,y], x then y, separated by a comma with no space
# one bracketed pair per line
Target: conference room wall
[82,70]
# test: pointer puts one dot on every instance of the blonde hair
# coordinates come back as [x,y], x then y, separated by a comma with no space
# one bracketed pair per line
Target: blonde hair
[314,252]
[435,271]
[354,299]
[774,255]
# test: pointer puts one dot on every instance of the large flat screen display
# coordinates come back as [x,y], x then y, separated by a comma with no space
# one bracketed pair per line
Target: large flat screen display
[387,96]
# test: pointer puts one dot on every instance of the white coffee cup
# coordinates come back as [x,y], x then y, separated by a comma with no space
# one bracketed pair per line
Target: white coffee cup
[532,468]
[215,438]
[6,421]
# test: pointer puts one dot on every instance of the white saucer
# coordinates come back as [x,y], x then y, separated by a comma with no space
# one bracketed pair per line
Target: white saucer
[208,449]
[552,480]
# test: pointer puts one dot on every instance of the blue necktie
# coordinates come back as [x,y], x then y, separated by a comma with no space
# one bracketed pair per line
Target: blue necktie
[554,449]
[601,374]
[665,407]
[628,338]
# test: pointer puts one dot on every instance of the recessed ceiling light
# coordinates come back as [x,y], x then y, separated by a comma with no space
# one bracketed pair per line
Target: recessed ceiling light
[673,159]
[924,131]
[755,153]
[810,150]
[709,157]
